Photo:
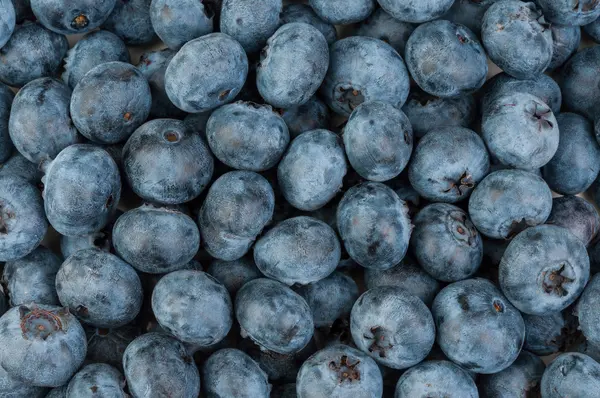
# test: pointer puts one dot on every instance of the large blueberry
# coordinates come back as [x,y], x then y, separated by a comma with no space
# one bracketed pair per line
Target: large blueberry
[98,378]
[588,311]
[521,379]
[343,12]
[579,82]
[546,335]
[436,378]
[250,23]
[469,13]
[577,215]
[234,274]
[571,375]
[565,41]
[72,17]
[568,12]
[312,115]
[416,10]
[6,145]
[7,21]
[130,20]
[305,14]
[230,373]
[178,21]
[383,26]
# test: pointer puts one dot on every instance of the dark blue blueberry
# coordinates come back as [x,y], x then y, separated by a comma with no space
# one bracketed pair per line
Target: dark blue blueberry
[544,269]
[99,379]
[342,12]
[477,327]
[108,345]
[22,10]
[374,225]
[446,59]
[469,13]
[446,243]
[250,23]
[197,123]
[588,311]
[247,136]
[546,335]
[517,38]
[576,163]
[19,166]
[381,25]
[378,140]
[31,279]
[339,371]
[22,221]
[7,21]
[167,163]
[100,288]
[40,125]
[234,274]
[593,30]
[521,379]
[448,163]
[14,388]
[363,69]
[577,215]
[305,14]
[520,130]
[274,316]
[508,201]
[230,373]
[130,20]
[594,255]
[568,12]
[565,41]
[58,392]
[436,378]
[416,11]
[157,365]
[6,145]
[178,21]
[32,52]
[579,81]
[101,239]
[393,327]
[206,73]
[312,115]
[583,346]
[43,345]
[243,196]
[312,170]
[71,17]
[571,375]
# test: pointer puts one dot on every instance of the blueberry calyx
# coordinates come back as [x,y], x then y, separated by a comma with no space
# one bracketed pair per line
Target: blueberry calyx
[350,96]
[80,21]
[464,181]
[379,339]
[553,281]
[346,371]
[39,323]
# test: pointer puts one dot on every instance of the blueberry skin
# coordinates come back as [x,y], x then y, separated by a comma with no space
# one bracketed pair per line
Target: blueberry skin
[579,81]
[72,17]
[43,345]
[6,145]
[545,335]
[99,378]
[312,115]
[393,327]
[130,21]
[82,190]
[31,52]
[378,140]
[156,239]
[305,14]
[497,205]
[448,163]
[571,375]
[157,365]
[565,41]
[339,371]
[469,13]
[520,130]
[544,270]
[247,136]
[22,221]
[587,311]
[374,225]
[284,323]
[340,12]
[7,21]
[234,274]
[243,196]
[416,11]
[477,327]
[577,215]
[176,22]
[593,30]
[13,388]
[446,59]
[167,163]
[312,170]
[31,279]
[40,125]
[363,69]
[565,12]
[232,373]
[381,25]
[431,378]
[520,379]
[517,39]
[100,288]
[108,345]
[93,49]
[206,73]
[19,166]
[249,22]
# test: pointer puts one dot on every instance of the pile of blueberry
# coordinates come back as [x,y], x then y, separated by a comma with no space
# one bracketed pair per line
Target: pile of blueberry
[319,199]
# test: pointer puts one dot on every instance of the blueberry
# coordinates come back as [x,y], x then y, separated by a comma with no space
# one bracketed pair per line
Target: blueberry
[477,327]
[130,20]
[546,335]
[158,365]
[305,14]
[566,12]
[579,82]
[583,346]
[108,345]
[571,375]
[381,25]
[247,136]
[436,378]
[374,225]
[544,269]
[13,388]
[469,13]
[363,69]
[43,345]
[22,221]
[7,21]
[520,379]
[392,326]
[588,313]
[40,125]
[197,123]
[100,379]
[167,163]
[416,11]
[312,115]
[6,145]
[234,274]
[283,323]
[339,371]
[340,12]
[448,163]
[243,196]
[508,201]
[520,130]
[577,215]
[517,38]
[230,373]
[67,18]
[18,165]
[378,140]
[101,239]
[565,41]
[311,172]
[178,21]
[31,52]
[206,72]
[156,239]
[593,30]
